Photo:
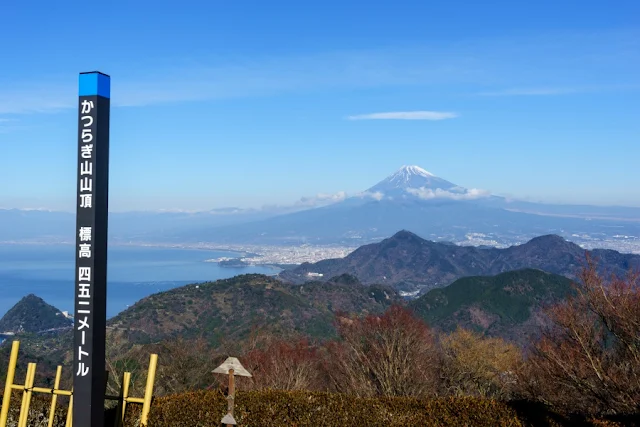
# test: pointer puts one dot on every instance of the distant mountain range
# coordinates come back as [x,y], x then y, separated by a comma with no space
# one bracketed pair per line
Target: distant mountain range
[414,199]
[411,198]
[411,263]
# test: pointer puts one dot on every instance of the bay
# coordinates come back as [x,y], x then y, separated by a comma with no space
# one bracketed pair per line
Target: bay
[132,274]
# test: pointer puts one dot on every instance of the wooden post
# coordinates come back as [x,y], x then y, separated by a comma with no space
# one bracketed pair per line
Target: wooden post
[232,394]
[26,396]
[54,399]
[231,367]
[6,397]
[148,393]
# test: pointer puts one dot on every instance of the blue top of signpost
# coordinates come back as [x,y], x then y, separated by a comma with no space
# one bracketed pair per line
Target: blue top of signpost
[95,83]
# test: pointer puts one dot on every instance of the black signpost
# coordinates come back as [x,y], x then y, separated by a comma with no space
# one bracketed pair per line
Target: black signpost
[91,250]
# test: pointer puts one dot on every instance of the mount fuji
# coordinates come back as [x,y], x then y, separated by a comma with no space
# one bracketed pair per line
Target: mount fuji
[414,182]
[410,177]
[411,199]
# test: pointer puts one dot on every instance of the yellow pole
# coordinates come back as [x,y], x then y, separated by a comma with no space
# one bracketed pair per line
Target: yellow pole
[69,422]
[26,397]
[151,378]
[54,399]
[6,398]
[122,401]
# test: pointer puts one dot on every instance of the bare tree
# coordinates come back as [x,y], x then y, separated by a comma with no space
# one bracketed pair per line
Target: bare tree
[284,365]
[589,360]
[186,365]
[390,355]
[120,358]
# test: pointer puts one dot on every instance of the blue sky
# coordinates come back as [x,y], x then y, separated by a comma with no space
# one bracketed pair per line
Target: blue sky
[249,103]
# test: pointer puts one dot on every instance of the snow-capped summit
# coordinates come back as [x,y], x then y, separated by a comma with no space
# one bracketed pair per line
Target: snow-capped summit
[405,173]
[409,177]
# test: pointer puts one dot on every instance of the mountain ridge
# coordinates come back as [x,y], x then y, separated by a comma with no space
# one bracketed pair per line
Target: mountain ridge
[230,308]
[409,262]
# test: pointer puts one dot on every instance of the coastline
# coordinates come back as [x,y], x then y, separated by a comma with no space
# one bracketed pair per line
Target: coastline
[188,246]
[253,255]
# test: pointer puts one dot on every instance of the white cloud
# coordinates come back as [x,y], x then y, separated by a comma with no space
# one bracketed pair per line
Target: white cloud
[406,115]
[376,195]
[322,199]
[428,194]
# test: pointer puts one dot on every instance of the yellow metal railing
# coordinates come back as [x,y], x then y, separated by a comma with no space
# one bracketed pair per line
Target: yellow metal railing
[28,389]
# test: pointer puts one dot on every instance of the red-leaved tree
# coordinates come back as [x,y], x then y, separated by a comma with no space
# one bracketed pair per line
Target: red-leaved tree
[283,364]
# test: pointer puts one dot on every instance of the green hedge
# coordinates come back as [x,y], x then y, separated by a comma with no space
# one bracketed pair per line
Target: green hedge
[307,409]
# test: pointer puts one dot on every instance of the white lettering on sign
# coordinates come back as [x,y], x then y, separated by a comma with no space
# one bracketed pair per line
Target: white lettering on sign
[85,234]
[86,184]
[82,370]
[87,106]
[85,200]
[88,118]
[84,290]
[85,250]
[84,274]
[86,136]
[86,168]
[83,323]
[81,353]
[86,150]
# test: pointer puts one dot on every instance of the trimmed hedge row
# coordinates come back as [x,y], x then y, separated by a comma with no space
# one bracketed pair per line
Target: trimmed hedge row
[308,409]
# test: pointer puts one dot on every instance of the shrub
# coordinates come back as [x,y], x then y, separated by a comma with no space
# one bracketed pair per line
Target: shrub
[283,365]
[473,365]
[389,355]
[589,360]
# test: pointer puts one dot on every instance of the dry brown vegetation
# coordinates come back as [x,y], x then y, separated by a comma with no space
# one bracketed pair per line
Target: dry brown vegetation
[388,355]
[589,359]
[472,365]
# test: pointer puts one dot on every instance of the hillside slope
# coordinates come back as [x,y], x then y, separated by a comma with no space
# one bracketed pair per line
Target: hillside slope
[229,309]
[507,305]
[32,314]
[409,262]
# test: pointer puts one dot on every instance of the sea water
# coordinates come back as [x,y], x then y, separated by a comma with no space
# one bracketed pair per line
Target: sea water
[132,274]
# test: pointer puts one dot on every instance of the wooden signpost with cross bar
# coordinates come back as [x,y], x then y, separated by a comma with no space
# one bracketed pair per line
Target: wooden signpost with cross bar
[232,367]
